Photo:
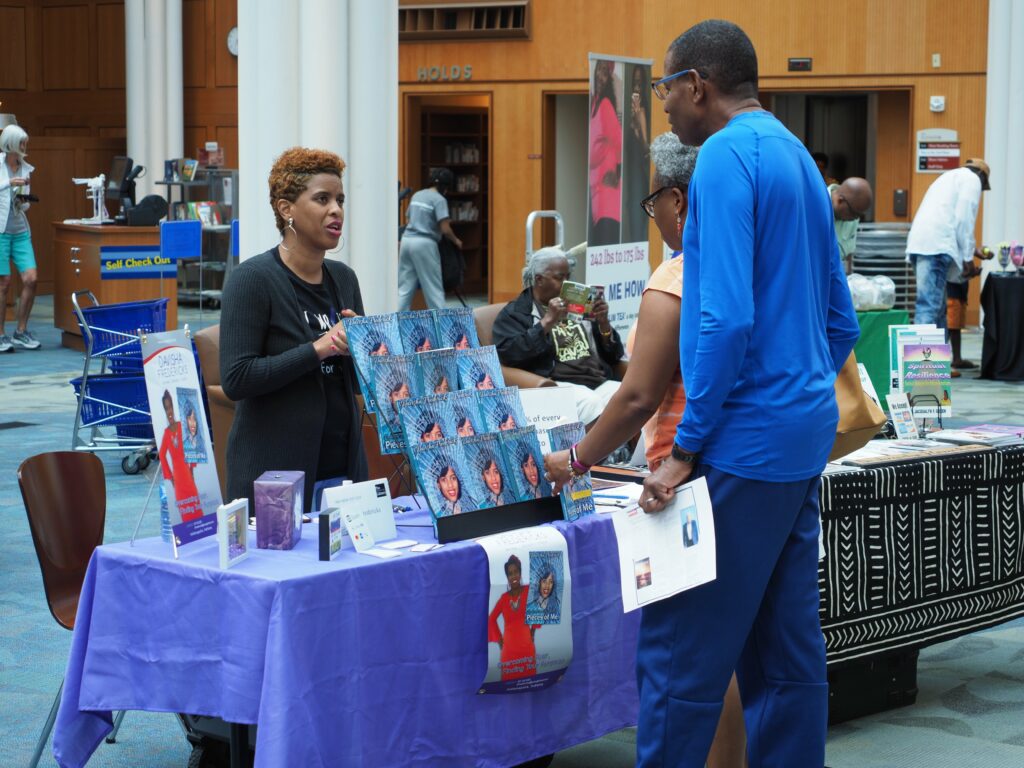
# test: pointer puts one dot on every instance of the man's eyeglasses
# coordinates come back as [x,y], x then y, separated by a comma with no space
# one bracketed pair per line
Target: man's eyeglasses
[648,202]
[851,212]
[661,88]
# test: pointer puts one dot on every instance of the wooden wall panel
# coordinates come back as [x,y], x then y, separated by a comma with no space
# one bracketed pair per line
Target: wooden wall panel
[193,34]
[874,46]
[66,36]
[110,46]
[893,147]
[12,52]
[211,95]
[57,160]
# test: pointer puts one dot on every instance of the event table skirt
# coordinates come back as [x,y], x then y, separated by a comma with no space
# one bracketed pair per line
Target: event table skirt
[1002,347]
[376,663]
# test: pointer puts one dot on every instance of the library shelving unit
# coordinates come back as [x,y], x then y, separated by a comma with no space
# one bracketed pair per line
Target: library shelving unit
[200,280]
[457,138]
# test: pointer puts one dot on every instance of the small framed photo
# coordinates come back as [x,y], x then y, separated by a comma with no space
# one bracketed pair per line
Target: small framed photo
[232,532]
[330,533]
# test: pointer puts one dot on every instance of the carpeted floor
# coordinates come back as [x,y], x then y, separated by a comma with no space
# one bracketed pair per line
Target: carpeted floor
[970,709]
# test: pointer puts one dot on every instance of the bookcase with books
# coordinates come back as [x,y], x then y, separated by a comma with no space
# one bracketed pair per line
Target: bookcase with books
[211,196]
[457,138]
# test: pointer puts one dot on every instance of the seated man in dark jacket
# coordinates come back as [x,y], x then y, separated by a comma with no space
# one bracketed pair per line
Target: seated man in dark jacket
[532,333]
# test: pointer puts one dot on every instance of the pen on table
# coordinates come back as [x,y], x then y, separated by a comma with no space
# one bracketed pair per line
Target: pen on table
[610,496]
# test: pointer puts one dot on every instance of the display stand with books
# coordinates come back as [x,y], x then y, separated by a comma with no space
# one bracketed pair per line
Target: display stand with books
[445,414]
[209,195]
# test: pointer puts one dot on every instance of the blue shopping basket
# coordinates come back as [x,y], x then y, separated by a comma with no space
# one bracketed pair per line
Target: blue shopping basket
[112,331]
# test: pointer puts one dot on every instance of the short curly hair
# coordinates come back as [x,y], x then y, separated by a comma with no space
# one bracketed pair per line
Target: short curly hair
[293,170]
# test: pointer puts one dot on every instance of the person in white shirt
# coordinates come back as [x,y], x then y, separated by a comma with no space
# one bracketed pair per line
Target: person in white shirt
[941,239]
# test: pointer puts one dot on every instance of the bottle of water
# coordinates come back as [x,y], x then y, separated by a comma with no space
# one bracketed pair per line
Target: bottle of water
[165,515]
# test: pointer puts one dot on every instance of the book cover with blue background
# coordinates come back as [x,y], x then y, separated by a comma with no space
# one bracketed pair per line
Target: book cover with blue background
[395,378]
[417,331]
[486,464]
[440,468]
[480,369]
[578,495]
[501,410]
[376,335]
[439,371]
[525,463]
[456,328]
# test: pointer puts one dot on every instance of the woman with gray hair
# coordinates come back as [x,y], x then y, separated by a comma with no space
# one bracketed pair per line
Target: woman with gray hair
[533,332]
[651,395]
[15,236]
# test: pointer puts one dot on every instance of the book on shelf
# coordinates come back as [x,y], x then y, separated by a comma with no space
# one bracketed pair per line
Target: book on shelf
[395,378]
[441,474]
[525,463]
[369,337]
[456,328]
[486,465]
[501,410]
[188,169]
[418,331]
[479,369]
[578,495]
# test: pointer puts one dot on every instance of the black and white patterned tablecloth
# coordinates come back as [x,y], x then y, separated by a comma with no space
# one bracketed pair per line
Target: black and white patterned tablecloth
[921,552]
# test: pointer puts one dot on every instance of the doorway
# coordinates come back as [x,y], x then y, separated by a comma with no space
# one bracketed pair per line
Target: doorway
[453,131]
[864,133]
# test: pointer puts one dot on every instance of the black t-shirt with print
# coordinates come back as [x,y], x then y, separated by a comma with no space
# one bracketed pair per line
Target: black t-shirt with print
[321,312]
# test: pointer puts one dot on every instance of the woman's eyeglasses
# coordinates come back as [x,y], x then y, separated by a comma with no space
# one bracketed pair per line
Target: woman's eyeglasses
[660,87]
[648,202]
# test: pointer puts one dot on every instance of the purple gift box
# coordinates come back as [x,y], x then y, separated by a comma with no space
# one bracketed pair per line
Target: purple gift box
[277,497]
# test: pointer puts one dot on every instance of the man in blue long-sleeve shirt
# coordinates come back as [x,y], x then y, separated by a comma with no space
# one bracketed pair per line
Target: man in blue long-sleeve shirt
[767,321]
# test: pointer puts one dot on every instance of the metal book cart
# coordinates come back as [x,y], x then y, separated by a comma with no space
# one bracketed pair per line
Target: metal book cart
[113,409]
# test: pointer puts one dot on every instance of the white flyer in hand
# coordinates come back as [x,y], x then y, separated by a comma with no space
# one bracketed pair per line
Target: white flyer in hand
[664,553]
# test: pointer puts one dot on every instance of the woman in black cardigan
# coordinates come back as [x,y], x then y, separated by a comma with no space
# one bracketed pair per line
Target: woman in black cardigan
[284,355]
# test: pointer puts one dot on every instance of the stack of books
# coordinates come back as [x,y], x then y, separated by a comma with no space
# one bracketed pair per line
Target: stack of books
[994,435]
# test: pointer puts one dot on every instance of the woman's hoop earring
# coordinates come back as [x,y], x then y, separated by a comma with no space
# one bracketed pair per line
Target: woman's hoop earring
[290,220]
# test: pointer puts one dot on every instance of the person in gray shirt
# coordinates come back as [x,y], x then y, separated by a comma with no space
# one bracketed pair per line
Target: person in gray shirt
[419,259]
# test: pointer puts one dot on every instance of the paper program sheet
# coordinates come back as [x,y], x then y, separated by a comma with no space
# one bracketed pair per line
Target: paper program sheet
[667,552]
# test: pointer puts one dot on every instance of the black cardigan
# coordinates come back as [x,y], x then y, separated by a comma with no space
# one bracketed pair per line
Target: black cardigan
[522,343]
[269,367]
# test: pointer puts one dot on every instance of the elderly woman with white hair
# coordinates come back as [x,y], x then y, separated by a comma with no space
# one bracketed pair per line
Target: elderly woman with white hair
[533,332]
[15,236]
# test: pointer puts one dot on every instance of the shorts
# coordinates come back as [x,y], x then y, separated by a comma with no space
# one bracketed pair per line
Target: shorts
[19,249]
[956,305]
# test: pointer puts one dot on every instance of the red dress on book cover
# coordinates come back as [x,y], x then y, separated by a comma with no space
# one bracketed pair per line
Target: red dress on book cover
[179,472]
[518,653]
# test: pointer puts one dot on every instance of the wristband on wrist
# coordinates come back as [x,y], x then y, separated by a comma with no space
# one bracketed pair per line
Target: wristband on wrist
[680,455]
[576,466]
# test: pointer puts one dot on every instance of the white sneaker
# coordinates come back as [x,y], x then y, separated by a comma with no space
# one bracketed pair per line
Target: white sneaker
[5,343]
[25,339]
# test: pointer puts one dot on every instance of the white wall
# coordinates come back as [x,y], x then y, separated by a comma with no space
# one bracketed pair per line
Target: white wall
[571,168]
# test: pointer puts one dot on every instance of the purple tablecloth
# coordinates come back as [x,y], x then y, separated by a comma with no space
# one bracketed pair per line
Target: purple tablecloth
[357,662]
